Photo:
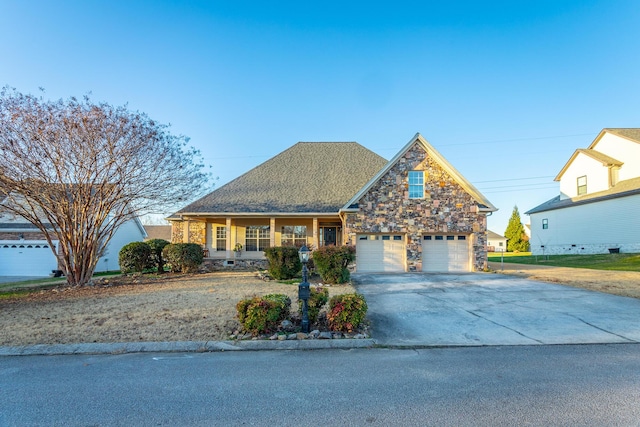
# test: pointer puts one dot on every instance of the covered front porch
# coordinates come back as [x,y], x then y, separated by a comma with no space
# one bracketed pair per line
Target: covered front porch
[246,237]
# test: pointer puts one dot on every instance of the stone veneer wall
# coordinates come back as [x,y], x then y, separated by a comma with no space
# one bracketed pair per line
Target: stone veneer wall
[196,232]
[446,208]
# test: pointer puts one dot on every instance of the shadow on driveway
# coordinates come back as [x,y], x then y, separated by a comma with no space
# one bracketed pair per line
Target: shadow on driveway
[474,309]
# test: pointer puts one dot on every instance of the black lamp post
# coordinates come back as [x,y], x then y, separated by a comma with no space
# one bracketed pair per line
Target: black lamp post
[303,288]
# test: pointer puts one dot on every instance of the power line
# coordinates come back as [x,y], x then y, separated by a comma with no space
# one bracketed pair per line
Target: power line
[516,179]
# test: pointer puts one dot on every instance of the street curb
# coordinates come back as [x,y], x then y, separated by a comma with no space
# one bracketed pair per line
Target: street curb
[182,346]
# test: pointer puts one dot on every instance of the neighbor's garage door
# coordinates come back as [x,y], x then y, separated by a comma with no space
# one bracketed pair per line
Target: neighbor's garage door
[22,258]
[379,253]
[446,252]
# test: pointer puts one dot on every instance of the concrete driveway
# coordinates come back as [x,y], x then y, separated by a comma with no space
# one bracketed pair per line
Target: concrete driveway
[421,309]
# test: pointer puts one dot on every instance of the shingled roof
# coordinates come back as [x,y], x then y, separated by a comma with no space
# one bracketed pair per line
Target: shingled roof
[629,133]
[310,177]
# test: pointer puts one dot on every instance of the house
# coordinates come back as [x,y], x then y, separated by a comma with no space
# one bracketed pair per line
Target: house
[158,232]
[597,208]
[496,242]
[25,252]
[415,212]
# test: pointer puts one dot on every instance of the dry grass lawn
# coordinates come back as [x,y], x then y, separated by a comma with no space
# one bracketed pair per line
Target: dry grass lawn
[174,308]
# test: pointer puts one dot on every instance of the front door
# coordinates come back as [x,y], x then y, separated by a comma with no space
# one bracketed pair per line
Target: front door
[329,236]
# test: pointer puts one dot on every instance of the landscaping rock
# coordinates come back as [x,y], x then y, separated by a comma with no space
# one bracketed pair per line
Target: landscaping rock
[325,336]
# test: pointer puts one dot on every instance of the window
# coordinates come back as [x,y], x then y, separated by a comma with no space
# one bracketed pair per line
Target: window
[294,235]
[545,224]
[501,244]
[462,237]
[416,185]
[397,237]
[221,238]
[450,237]
[582,185]
[439,238]
[258,238]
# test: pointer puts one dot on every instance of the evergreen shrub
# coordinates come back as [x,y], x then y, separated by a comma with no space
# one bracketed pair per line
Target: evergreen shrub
[157,260]
[134,257]
[284,262]
[183,257]
[331,263]
[317,299]
[346,312]
[260,315]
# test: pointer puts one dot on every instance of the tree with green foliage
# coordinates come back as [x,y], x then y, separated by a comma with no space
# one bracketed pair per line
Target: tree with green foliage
[517,240]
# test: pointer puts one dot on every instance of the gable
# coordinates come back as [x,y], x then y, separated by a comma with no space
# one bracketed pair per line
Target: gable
[310,177]
[418,154]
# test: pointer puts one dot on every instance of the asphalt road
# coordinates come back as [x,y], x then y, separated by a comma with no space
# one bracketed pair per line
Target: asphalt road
[586,385]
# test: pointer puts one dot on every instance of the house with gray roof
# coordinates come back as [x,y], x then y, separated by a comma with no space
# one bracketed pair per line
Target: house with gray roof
[596,210]
[415,212]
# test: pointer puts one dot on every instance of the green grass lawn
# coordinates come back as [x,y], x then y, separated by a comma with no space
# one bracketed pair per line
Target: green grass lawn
[621,262]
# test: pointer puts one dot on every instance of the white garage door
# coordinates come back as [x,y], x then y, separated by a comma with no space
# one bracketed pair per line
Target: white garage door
[446,252]
[380,253]
[26,258]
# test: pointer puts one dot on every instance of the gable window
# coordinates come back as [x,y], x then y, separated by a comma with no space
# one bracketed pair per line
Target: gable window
[257,238]
[545,224]
[416,184]
[294,235]
[221,238]
[582,185]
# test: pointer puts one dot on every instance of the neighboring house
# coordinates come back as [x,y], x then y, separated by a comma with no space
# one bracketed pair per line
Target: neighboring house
[412,213]
[25,252]
[158,232]
[597,209]
[496,242]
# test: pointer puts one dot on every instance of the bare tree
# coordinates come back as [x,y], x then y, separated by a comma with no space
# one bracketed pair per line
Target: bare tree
[78,170]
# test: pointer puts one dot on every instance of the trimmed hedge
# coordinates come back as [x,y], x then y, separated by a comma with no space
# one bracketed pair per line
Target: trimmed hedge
[134,257]
[183,257]
[331,263]
[260,315]
[157,260]
[284,262]
[318,298]
[346,312]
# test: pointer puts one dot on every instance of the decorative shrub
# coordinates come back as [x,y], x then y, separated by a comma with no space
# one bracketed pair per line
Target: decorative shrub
[346,312]
[183,257]
[331,263]
[318,298]
[284,262]
[260,315]
[156,246]
[134,257]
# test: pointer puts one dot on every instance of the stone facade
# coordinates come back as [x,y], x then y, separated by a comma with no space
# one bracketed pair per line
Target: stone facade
[196,232]
[211,265]
[446,208]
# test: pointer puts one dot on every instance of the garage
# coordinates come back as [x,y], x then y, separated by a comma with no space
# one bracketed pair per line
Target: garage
[26,258]
[377,253]
[446,253]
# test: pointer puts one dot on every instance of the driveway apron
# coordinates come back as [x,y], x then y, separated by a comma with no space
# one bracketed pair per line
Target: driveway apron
[469,309]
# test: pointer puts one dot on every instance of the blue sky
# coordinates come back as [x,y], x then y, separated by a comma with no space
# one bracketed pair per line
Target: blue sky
[505,90]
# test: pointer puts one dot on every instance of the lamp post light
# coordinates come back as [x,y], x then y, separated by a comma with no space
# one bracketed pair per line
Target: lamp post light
[303,288]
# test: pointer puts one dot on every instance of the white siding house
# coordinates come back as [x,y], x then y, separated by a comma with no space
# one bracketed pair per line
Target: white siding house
[597,208]
[25,252]
[496,242]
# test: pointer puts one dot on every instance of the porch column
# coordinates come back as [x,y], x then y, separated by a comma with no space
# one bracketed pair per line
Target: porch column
[315,242]
[272,232]
[185,231]
[230,239]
